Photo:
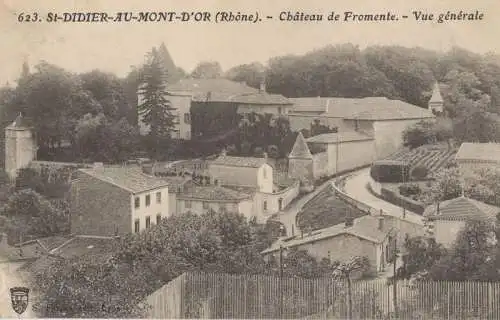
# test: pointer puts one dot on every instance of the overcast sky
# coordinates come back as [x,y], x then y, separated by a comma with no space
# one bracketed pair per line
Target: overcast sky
[115,47]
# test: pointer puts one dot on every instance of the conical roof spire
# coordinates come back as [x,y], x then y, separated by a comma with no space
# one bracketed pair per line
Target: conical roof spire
[19,123]
[300,149]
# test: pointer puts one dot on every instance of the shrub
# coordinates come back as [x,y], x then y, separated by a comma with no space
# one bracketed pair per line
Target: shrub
[419,172]
[390,171]
[409,189]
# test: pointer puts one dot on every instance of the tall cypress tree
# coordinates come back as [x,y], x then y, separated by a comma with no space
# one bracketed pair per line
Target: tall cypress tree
[156,110]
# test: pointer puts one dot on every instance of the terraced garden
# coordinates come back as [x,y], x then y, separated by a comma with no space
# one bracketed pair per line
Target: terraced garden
[433,157]
[326,210]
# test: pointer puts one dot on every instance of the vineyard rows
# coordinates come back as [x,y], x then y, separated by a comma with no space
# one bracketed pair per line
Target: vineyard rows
[431,158]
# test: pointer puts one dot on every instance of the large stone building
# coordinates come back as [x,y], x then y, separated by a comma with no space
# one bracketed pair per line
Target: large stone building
[448,218]
[184,91]
[109,201]
[379,117]
[20,146]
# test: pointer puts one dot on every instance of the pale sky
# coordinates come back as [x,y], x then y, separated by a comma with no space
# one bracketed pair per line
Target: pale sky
[114,47]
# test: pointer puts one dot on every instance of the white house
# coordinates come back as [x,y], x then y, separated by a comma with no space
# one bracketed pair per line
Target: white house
[448,218]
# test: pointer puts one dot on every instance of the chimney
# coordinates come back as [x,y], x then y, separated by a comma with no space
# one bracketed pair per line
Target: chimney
[381,223]
[262,87]
[98,166]
[349,222]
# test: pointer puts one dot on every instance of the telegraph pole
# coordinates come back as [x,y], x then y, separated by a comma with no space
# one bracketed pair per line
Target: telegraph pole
[395,282]
[281,281]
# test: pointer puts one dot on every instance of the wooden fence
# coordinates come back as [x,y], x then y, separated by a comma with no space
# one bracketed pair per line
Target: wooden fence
[201,295]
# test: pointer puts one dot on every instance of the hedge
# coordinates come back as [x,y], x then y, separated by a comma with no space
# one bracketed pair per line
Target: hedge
[399,200]
[390,171]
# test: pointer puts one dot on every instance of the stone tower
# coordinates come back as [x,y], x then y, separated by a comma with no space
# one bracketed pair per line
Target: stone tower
[300,160]
[436,102]
[20,146]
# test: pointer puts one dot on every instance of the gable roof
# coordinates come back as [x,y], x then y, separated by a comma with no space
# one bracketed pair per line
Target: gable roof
[261,98]
[479,151]
[300,150]
[364,227]
[200,86]
[462,209]
[387,109]
[436,94]
[369,108]
[131,179]
[249,162]
[213,193]
[344,136]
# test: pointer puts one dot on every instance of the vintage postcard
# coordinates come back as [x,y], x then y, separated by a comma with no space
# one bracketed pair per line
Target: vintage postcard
[239,159]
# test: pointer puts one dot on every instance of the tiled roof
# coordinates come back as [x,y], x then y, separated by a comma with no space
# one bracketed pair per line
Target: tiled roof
[261,98]
[313,104]
[392,110]
[364,227]
[82,245]
[19,123]
[213,193]
[131,179]
[436,94]
[254,98]
[479,151]
[462,208]
[175,182]
[250,162]
[300,149]
[370,108]
[210,85]
[345,136]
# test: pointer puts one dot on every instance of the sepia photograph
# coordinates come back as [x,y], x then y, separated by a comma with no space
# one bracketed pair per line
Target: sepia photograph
[229,159]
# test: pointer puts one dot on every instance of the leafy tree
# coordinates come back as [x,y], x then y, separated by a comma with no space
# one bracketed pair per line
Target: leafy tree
[421,255]
[156,110]
[207,70]
[419,134]
[471,256]
[252,74]
[30,215]
[99,140]
[107,90]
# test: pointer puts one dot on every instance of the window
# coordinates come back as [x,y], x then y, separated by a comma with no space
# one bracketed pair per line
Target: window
[158,218]
[265,205]
[187,118]
[205,205]
[187,204]
[148,222]
[279,110]
[178,134]
[158,197]
[137,225]
[148,200]
[137,202]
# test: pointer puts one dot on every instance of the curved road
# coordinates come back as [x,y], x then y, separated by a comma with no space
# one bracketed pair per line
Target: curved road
[11,277]
[356,187]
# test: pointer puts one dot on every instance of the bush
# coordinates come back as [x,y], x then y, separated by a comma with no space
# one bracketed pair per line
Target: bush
[393,171]
[409,189]
[419,172]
